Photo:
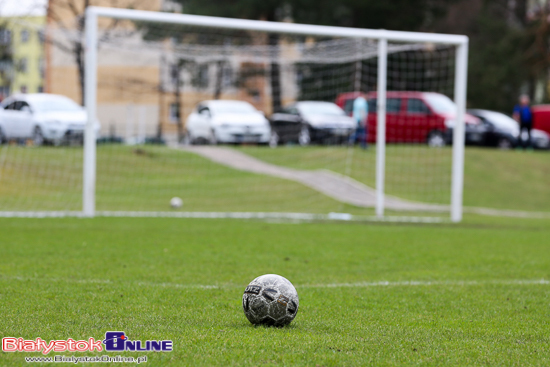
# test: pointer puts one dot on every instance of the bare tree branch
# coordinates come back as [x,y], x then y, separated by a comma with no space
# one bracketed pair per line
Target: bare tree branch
[75,35]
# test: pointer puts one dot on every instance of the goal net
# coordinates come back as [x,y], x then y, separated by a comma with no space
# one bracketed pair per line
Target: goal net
[251,119]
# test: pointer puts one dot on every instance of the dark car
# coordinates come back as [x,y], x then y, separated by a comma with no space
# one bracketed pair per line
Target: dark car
[311,121]
[503,131]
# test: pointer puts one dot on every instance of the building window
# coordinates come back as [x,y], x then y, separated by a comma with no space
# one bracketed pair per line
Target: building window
[4,92]
[23,89]
[174,112]
[202,77]
[41,37]
[24,36]
[175,77]
[41,67]
[23,65]
[171,6]
[227,76]
[5,36]
[40,89]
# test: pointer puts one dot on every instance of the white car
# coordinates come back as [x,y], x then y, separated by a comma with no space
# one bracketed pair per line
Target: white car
[226,121]
[45,118]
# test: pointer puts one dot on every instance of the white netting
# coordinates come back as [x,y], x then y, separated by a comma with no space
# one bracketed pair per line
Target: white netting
[151,78]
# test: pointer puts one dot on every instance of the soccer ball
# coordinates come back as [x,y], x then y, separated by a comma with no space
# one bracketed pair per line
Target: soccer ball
[176,203]
[270,300]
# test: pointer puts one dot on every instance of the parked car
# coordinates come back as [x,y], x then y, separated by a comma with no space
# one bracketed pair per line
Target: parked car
[345,101]
[227,121]
[416,117]
[541,118]
[311,121]
[45,118]
[503,131]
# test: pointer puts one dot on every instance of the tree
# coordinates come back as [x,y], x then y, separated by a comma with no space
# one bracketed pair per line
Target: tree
[407,15]
[396,14]
[176,71]
[505,57]
[271,10]
[497,65]
[537,54]
[74,27]
[179,65]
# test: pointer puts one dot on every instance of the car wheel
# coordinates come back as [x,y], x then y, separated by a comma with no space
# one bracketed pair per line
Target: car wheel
[504,144]
[305,137]
[436,139]
[213,140]
[274,140]
[38,137]
[2,137]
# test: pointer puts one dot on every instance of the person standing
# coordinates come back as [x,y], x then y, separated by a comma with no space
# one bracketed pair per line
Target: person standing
[524,116]
[360,113]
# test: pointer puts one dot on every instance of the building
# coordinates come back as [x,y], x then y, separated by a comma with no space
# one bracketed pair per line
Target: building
[147,85]
[22,62]
[119,109]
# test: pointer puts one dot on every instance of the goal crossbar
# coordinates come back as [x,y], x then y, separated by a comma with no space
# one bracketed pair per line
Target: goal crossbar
[383,36]
[274,27]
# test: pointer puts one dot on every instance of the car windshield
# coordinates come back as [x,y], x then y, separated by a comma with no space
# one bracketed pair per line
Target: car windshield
[233,107]
[320,108]
[441,103]
[501,120]
[55,105]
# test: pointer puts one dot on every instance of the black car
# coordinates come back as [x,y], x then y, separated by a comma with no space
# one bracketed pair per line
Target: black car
[473,133]
[311,121]
[503,131]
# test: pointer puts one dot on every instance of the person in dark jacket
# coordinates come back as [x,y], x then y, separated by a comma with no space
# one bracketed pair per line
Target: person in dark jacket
[523,114]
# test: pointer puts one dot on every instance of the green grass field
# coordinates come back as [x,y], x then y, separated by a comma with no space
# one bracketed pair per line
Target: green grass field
[145,178]
[478,300]
[370,293]
[493,178]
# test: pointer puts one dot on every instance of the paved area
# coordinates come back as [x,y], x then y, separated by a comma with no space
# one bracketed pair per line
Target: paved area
[336,186]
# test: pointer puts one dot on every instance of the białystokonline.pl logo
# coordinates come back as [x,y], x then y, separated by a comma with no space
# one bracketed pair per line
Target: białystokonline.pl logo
[115,341]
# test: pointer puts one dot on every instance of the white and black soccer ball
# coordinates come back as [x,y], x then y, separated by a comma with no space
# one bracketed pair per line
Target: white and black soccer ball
[270,300]
[176,203]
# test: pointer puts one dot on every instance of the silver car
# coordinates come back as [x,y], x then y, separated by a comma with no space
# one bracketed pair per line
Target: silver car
[42,117]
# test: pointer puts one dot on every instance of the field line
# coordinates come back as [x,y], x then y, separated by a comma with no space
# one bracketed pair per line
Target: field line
[407,283]
[412,283]
[292,217]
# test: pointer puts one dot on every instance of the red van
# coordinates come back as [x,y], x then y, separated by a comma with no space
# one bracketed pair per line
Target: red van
[541,117]
[345,101]
[415,117]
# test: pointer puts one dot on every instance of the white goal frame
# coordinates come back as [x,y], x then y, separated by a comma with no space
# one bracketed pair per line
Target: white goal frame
[383,36]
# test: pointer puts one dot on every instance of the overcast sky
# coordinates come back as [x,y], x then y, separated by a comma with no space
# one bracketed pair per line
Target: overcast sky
[22,7]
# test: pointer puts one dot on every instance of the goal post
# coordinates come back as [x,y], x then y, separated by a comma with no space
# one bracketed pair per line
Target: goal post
[382,36]
[461,78]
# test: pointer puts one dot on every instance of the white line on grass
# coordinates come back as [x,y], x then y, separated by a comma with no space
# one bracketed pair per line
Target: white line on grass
[408,283]
[292,217]
[305,217]
[428,283]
